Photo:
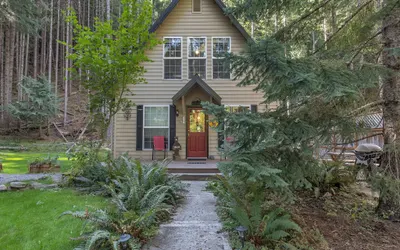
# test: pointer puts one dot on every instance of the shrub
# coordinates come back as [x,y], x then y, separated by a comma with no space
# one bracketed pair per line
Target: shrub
[327,175]
[49,160]
[268,226]
[143,194]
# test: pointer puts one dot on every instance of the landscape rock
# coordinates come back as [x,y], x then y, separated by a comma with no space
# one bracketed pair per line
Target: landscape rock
[18,185]
[37,185]
[3,188]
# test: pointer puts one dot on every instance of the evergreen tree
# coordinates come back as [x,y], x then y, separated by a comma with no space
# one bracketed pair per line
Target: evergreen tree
[39,102]
[319,60]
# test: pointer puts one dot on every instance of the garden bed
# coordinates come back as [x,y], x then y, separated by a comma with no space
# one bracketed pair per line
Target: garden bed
[345,221]
[43,168]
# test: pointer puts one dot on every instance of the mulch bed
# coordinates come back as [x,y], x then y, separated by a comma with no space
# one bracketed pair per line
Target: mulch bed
[345,221]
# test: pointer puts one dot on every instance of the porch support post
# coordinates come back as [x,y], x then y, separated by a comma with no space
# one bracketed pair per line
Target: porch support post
[183,109]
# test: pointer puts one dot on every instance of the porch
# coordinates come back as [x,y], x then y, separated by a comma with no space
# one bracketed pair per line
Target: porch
[194,170]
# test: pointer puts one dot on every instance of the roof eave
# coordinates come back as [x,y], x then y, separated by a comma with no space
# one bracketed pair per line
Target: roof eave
[197,80]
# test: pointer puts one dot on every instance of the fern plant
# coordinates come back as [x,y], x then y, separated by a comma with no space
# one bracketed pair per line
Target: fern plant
[266,226]
[143,196]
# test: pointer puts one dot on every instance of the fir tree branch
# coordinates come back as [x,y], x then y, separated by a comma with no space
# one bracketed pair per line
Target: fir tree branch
[361,47]
[360,139]
[346,22]
[369,105]
[364,44]
[302,18]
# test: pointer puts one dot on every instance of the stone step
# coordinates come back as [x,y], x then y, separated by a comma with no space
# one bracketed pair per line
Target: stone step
[206,170]
[196,176]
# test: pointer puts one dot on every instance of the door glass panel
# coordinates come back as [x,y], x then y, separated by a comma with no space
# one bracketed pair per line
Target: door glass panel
[197,121]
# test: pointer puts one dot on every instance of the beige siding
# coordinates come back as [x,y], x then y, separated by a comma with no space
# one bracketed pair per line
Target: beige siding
[181,22]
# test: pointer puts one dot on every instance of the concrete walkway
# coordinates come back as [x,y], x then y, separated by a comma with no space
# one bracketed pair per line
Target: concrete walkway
[195,226]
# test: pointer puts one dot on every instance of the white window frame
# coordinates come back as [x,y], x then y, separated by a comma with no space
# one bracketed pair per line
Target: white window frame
[164,58]
[189,57]
[237,105]
[144,124]
[201,7]
[213,57]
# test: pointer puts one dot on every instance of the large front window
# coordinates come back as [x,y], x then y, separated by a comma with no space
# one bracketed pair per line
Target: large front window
[172,58]
[156,123]
[197,56]
[221,66]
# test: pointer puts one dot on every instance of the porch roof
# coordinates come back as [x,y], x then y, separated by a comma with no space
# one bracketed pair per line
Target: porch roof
[196,80]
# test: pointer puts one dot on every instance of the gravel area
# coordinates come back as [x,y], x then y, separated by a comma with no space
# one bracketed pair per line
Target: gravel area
[6,178]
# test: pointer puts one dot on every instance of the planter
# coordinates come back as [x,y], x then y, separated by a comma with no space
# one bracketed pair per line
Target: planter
[44,168]
[34,168]
[55,169]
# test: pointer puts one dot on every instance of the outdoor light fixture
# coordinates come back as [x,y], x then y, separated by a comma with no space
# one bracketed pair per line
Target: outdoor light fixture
[177,113]
[242,233]
[123,241]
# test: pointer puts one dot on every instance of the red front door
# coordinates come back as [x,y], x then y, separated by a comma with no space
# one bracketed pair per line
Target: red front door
[197,133]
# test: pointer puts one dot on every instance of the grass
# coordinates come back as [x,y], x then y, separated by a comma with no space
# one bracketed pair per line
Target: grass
[30,219]
[17,162]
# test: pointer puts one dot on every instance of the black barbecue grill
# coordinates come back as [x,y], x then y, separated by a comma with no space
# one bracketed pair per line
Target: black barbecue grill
[368,154]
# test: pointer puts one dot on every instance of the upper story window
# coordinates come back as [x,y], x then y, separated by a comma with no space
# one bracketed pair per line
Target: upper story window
[172,57]
[196,6]
[197,56]
[221,67]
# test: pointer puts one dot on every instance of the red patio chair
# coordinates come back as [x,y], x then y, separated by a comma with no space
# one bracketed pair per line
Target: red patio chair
[159,145]
[230,139]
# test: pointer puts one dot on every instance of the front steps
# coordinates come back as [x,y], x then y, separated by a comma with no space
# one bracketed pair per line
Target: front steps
[194,172]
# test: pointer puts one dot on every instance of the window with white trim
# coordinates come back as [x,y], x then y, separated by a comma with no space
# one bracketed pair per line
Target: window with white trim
[221,67]
[172,54]
[237,108]
[197,56]
[196,6]
[156,123]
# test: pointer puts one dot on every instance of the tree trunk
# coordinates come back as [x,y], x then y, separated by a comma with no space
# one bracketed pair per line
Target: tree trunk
[43,52]
[2,96]
[88,14]
[66,71]
[391,106]
[27,55]
[57,50]
[21,65]
[108,10]
[35,57]
[9,66]
[51,40]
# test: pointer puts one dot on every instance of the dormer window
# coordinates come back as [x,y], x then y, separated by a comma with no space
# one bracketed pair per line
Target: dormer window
[196,6]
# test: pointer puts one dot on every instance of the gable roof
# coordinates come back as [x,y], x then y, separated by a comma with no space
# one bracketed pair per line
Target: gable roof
[196,80]
[219,3]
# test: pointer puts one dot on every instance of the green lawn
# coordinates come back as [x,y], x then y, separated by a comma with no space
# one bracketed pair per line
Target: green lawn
[29,220]
[17,162]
